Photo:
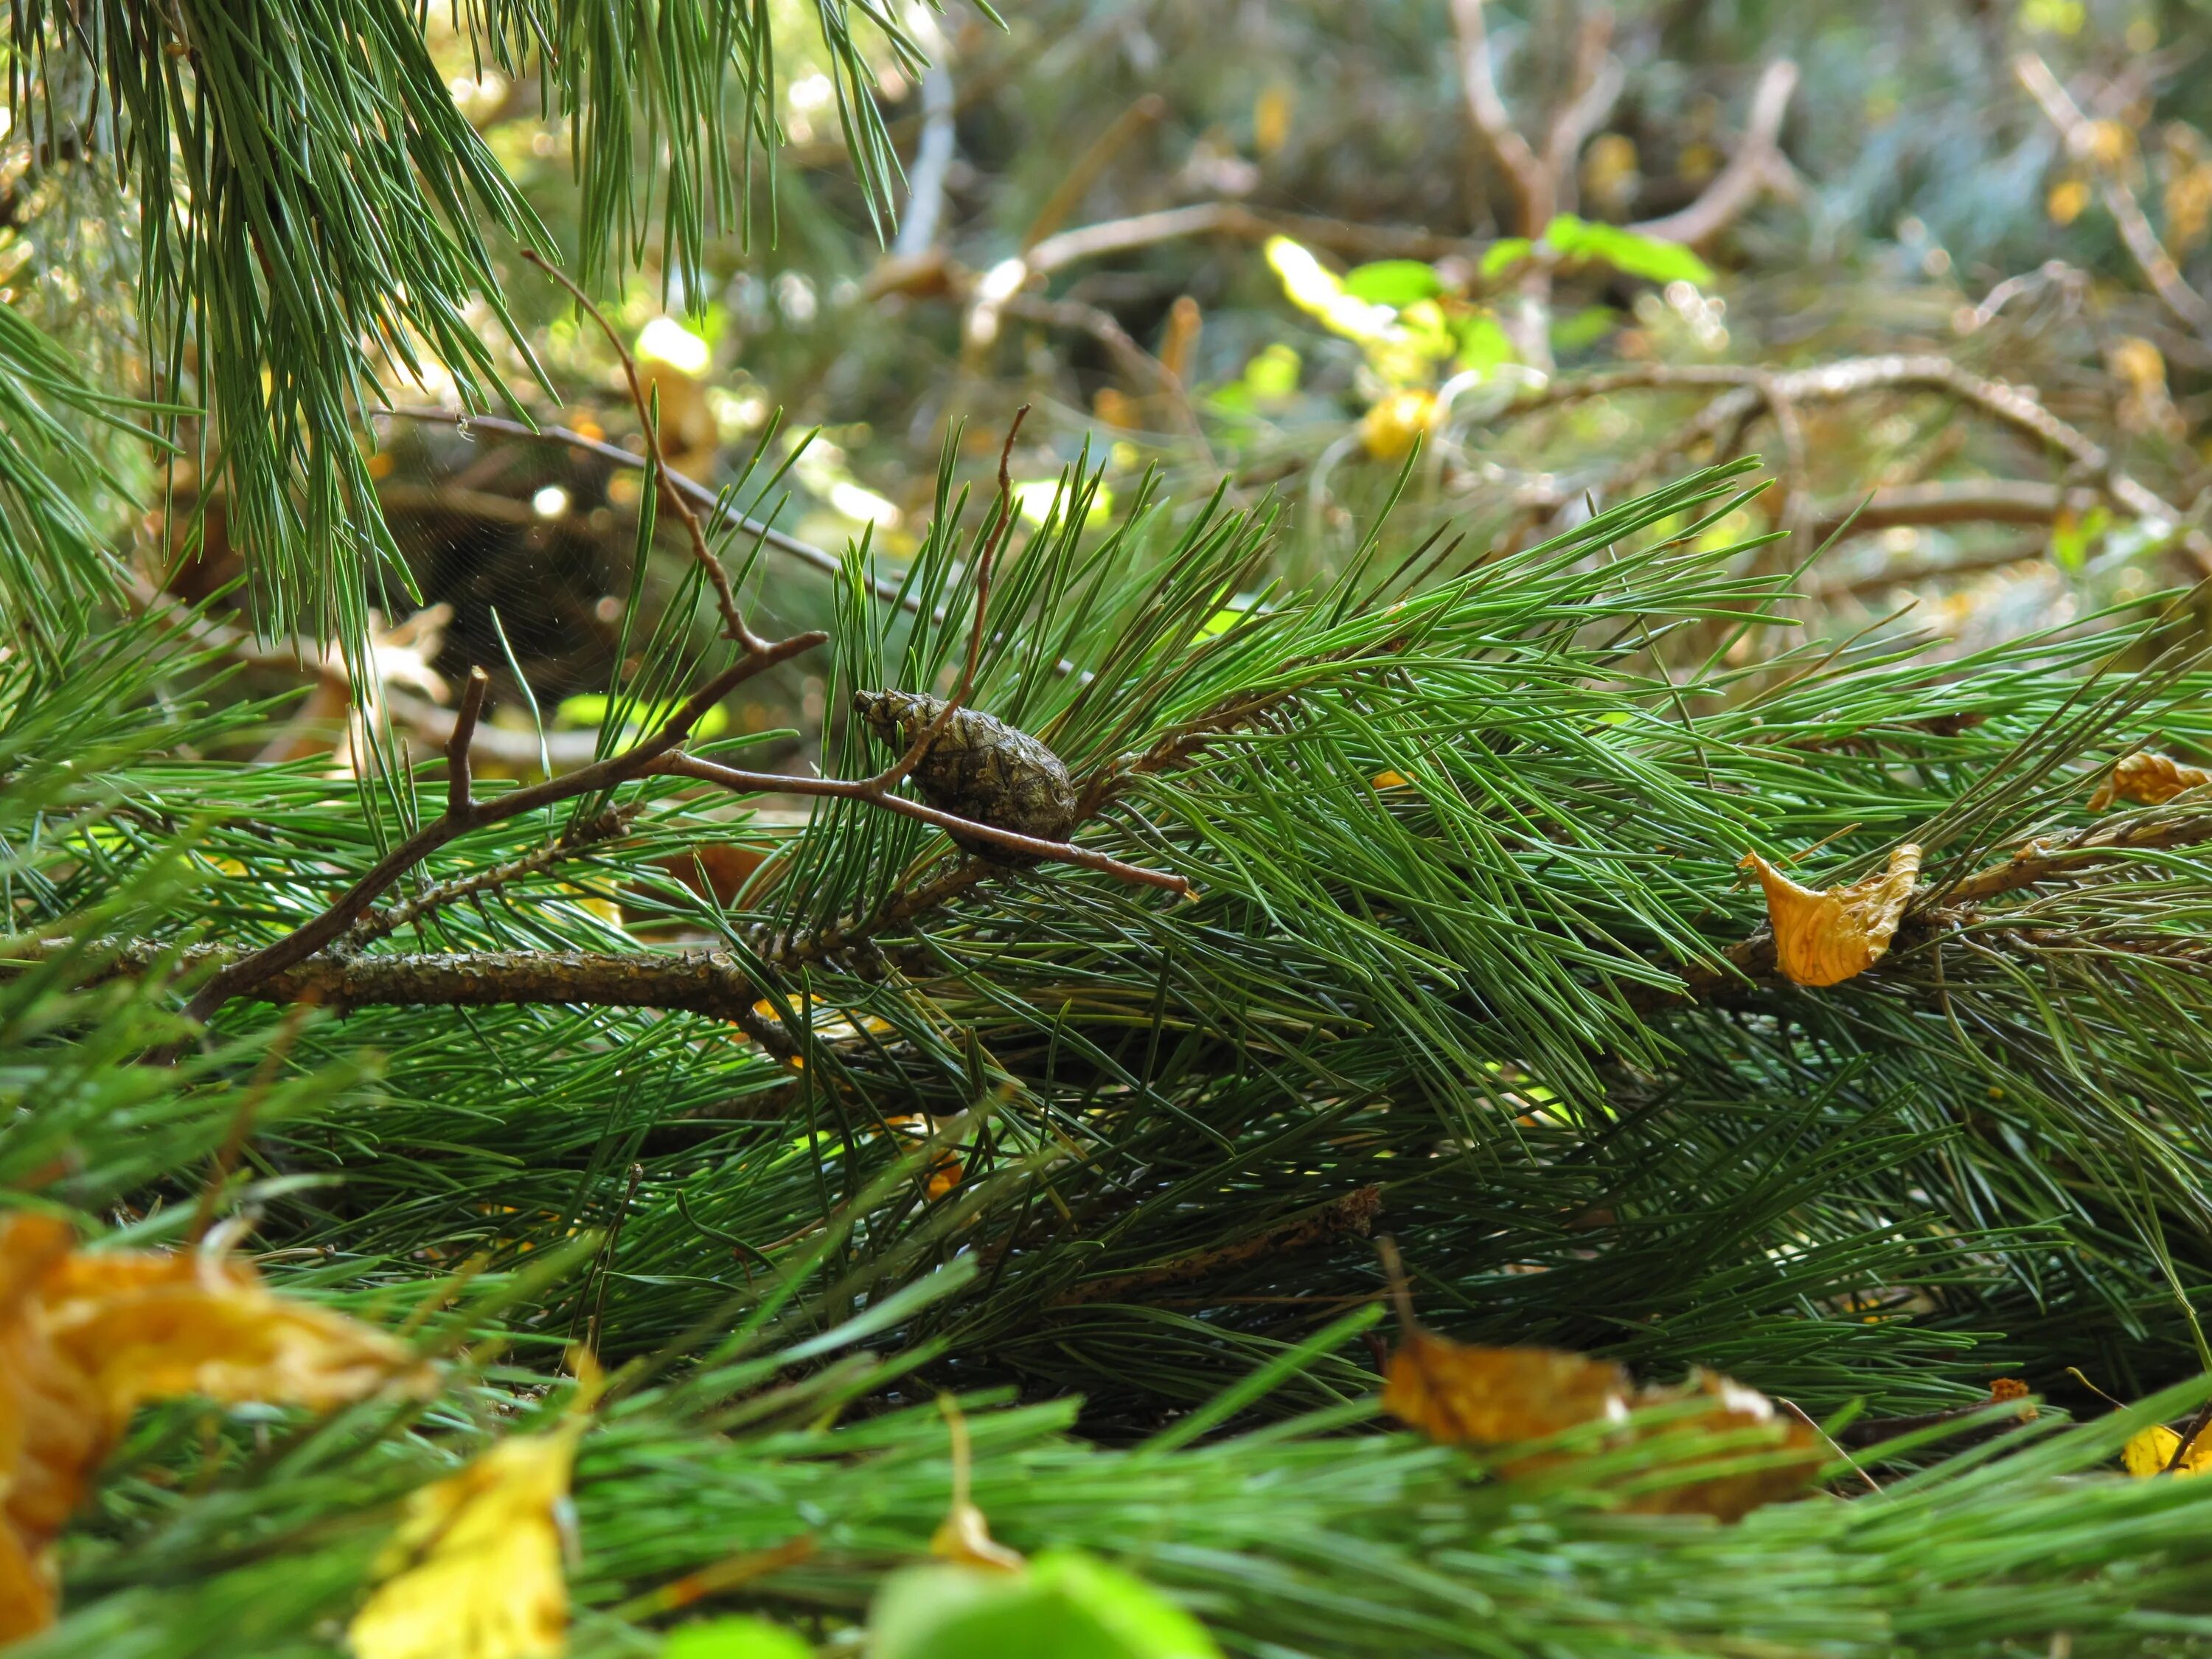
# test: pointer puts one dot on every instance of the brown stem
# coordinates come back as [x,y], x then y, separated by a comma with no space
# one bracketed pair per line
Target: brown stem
[1756,166]
[1534,197]
[457,746]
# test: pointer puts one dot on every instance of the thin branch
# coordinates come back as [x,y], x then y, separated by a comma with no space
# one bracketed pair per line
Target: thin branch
[378,924]
[871,791]
[2017,407]
[734,627]
[1351,1215]
[2080,134]
[457,746]
[1596,83]
[1758,165]
[1964,501]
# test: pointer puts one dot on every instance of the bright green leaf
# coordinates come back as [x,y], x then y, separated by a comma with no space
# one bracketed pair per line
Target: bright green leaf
[589,708]
[1625,251]
[1393,283]
[1273,373]
[1067,1606]
[735,1638]
[1504,253]
[1483,344]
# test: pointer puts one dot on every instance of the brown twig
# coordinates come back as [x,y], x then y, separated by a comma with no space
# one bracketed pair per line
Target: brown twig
[2079,135]
[2017,407]
[734,626]
[1351,1215]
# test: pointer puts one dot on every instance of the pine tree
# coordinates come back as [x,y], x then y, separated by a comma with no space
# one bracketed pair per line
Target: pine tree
[1410,900]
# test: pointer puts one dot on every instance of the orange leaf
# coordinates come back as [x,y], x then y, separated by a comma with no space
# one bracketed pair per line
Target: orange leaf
[1826,936]
[1498,1396]
[2148,779]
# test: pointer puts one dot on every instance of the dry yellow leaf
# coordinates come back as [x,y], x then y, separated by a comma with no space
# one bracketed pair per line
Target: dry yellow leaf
[2149,1453]
[85,1338]
[1271,118]
[2148,779]
[1390,428]
[1390,780]
[1825,937]
[475,1570]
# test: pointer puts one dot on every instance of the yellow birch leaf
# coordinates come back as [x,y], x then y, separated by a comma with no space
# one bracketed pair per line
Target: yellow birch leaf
[1464,1395]
[1827,936]
[86,1338]
[2148,1452]
[2148,779]
[475,1570]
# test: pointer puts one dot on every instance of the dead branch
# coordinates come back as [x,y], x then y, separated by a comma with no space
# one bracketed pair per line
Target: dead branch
[2018,407]
[2079,133]
[1968,501]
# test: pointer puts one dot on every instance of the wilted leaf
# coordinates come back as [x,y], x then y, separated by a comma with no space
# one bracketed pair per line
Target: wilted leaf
[2146,780]
[1067,1606]
[964,1536]
[1483,1396]
[86,1338]
[475,1570]
[1765,1457]
[2149,1452]
[1825,937]
[1497,1396]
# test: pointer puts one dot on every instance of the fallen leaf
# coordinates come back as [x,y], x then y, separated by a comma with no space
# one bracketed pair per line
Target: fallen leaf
[475,1571]
[1826,936]
[1496,1396]
[2148,1452]
[1765,1456]
[87,1337]
[1480,1396]
[2146,780]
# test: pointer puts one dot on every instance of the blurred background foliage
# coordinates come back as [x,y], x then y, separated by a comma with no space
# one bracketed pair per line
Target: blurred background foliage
[1918,200]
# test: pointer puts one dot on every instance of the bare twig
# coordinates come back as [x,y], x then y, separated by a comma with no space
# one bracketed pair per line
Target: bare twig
[1758,165]
[1596,83]
[2080,134]
[2017,407]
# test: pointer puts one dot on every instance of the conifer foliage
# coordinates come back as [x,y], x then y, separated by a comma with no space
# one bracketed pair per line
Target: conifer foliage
[439,1219]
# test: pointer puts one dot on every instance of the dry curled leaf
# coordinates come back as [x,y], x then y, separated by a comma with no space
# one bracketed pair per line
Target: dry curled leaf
[88,1337]
[475,1571]
[978,768]
[1824,937]
[1495,1397]
[1483,1396]
[2146,780]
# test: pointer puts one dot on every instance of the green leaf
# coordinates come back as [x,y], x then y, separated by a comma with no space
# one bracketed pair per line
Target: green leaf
[1273,373]
[1394,282]
[589,708]
[1504,253]
[735,1638]
[1625,251]
[1067,1606]
[1483,344]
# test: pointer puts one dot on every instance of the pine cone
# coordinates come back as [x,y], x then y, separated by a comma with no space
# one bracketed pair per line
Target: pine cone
[979,768]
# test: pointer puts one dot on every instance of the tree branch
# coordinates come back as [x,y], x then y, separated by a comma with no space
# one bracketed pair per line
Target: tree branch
[2079,135]
[1756,166]
[1534,195]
